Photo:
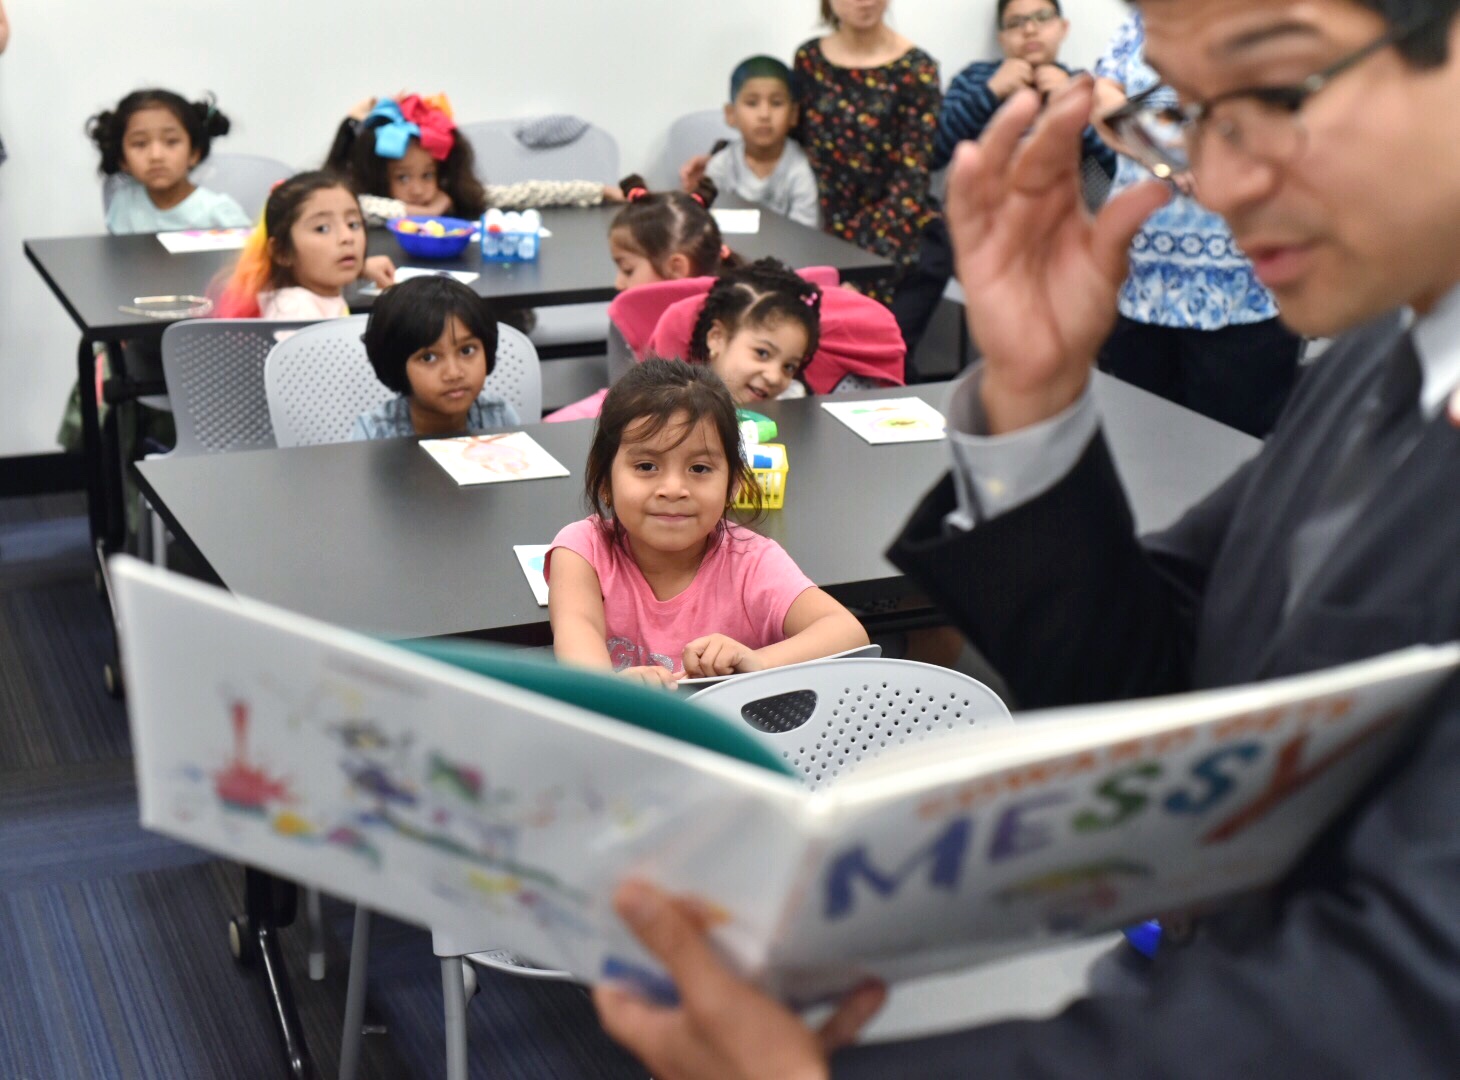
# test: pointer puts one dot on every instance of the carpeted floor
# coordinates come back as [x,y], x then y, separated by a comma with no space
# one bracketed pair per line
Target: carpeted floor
[113,951]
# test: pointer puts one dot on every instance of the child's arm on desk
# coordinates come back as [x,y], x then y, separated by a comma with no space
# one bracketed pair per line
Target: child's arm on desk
[575,612]
[815,626]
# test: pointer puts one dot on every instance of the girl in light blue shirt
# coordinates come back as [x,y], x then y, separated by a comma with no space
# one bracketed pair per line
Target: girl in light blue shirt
[149,145]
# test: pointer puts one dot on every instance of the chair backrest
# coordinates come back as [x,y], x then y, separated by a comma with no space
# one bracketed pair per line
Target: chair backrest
[247,177]
[319,380]
[618,358]
[691,134]
[214,369]
[825,716]
[503,159]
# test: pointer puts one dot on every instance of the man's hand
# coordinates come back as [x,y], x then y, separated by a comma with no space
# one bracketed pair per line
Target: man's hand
[723,1028]
[1040,275]
[716,654]
[1012,76]
[379,270]
[650,675]
[693,171]
[1050,77]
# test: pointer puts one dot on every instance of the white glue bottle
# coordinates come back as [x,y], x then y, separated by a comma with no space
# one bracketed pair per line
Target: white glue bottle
[492,234]
[511,234]
[531,226]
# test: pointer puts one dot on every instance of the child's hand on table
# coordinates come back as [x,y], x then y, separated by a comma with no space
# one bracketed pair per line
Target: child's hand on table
[650,675]
[717,654]
[379,271]
[612,193]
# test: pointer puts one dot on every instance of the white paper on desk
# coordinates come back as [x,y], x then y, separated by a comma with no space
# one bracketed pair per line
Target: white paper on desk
[189,241]
[531,558]
[742,222]
[494,459]
[890,420]
[405,273]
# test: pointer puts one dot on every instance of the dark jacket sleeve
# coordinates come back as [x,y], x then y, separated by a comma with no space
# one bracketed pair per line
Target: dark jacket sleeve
[1059,594]
[1358,974]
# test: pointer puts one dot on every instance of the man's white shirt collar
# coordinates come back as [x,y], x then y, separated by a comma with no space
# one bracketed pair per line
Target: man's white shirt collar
[1437,343]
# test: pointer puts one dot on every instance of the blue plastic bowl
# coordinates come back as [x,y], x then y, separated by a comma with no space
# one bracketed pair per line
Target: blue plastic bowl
[421,246]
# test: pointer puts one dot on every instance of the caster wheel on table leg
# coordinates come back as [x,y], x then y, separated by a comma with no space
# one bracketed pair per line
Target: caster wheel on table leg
[111,677]
[241,941]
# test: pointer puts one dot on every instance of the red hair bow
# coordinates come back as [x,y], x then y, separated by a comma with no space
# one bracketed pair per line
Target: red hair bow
[433,116]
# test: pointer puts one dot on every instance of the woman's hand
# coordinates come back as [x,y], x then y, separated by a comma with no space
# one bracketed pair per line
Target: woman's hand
[716,654]
[650,675]
[379,270]
[1040,275]
[723,1028]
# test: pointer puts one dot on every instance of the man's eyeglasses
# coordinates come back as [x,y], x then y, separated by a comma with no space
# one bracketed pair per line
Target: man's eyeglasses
[1014,23]
[1261,121]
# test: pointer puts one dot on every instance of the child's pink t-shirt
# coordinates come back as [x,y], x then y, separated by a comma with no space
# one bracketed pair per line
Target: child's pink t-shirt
[743,589]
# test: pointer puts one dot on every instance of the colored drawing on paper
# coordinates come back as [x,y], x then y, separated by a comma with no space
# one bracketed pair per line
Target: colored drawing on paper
[889,420]
[491,459]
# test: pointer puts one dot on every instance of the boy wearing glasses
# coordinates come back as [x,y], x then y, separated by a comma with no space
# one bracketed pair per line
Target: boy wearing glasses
[1030,35]
[1325,132]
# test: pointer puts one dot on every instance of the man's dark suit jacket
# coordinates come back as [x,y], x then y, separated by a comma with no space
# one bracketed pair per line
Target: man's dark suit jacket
[1353,966]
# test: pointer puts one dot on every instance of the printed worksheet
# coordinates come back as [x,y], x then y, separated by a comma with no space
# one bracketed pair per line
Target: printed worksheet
[405,273]
[732,222]
[189,241]
[531,557]
[890,420]
[494,459]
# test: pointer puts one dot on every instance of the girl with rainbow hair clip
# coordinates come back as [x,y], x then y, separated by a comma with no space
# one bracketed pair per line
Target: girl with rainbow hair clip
[308,246]
[407,157]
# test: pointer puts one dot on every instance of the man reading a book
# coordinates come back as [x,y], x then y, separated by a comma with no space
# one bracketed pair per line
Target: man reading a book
[1327,133]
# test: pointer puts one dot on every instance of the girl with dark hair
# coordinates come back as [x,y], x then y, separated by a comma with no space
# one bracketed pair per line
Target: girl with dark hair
[869,102]
[665,235]
[655,584]
[433,341]
[152,140]
[308,245]
[408,157]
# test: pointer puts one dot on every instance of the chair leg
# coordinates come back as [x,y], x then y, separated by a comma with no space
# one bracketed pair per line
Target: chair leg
[159,535]
[314,920]
[453,996]
[355,995]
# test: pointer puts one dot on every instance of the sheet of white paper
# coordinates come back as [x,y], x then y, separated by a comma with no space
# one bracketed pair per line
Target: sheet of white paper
[494,459]
[731,222]
[405,273]
[531,558]
[890,420]
[193,240]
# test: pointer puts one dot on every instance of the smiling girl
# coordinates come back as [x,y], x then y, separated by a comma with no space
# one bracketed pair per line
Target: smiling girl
[655,583]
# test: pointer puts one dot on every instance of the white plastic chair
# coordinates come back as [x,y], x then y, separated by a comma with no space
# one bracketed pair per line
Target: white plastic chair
[247,177]
[691,134]
[319,380]
[503,159]
[825,716]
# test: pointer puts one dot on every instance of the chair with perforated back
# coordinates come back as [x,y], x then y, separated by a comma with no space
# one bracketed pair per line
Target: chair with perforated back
[825,716]
[691,134]
[502,158]
[247,177]
[214,370]
[319,380]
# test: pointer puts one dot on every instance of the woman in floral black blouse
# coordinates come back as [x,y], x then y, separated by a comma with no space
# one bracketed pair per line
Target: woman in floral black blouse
[869,104]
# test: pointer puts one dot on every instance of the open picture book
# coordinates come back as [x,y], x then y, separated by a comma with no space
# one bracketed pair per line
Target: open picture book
[499,799]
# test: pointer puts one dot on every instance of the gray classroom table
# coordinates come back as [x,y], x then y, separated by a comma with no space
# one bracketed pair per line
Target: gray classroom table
[376,537]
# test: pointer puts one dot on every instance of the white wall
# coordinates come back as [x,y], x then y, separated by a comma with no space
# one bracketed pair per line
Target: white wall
[285,70]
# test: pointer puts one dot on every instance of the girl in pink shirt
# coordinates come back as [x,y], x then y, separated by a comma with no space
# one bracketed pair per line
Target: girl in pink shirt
[656,584]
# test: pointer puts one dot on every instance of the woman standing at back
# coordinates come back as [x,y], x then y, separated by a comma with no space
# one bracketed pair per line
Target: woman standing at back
[869,104]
